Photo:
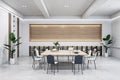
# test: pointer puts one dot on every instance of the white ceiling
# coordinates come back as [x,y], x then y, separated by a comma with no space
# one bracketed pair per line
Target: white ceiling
[61,8]
[109,8]
[25,7]
[67,7]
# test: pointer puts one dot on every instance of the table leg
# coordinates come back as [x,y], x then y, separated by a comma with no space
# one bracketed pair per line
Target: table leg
[68,58]
[57,58]
[44,62]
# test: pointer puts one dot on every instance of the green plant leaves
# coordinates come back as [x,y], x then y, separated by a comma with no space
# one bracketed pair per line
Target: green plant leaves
[7,45]
[104,39]
[14,43]
[13,51]
[107,37]
[12,37]
[56,43]
[110,41]
[18,44]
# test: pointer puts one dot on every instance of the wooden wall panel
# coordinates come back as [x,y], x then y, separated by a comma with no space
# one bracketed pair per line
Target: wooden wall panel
[81,32]
[18,23]
[9,31]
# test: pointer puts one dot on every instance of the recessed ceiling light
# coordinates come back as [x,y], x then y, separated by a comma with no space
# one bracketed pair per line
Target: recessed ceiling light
[66,6]
[24,6]
[67,3]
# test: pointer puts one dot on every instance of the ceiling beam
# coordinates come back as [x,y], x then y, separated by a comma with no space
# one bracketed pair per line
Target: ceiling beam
[41,5]
[94,6]
[116,15]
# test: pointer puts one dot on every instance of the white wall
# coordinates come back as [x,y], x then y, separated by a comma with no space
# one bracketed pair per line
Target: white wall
[24,49]
[4,32]
[4,10]
[116,38]
[3,35]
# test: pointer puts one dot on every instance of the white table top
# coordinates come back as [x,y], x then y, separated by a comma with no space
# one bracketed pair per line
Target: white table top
[63,53]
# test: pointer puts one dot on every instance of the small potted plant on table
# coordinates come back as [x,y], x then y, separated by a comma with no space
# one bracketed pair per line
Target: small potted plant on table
[56,44]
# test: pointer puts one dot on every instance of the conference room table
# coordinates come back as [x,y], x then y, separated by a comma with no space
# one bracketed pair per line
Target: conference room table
[63,53]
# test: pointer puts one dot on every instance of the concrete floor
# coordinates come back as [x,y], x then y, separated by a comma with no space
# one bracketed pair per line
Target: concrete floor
[107,69]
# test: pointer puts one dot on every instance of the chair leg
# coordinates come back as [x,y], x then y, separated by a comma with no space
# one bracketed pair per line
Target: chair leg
[83,64]
[57,67]
[94,64]
[47,68]
[44,62]
[40,64]
[51,67]
[81,68]
[33,65]
[74,69]
[54,68]
[68,58]
[88,64]
[78,68]
[57,58]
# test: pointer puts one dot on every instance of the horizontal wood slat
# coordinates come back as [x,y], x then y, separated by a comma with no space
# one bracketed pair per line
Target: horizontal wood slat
[80,32]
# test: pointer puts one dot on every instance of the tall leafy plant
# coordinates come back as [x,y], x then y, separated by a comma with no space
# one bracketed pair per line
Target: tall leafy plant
[14,43]
[107,43]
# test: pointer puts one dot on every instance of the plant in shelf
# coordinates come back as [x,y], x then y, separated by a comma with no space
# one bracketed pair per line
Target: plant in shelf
[107,43]
[12,47]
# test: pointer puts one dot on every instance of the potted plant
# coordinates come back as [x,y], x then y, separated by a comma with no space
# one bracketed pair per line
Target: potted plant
[56,44]
[107,43]
[12,47]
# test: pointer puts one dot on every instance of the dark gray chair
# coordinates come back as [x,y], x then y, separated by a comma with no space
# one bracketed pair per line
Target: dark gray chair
[78,60]
[51,61]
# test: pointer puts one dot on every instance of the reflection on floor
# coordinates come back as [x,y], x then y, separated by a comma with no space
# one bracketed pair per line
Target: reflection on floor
[107,69]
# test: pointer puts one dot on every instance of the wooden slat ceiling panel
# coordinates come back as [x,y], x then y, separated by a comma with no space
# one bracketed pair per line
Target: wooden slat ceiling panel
[65,32]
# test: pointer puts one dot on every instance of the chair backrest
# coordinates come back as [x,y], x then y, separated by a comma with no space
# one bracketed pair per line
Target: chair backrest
[70,49]
[37,52]
[50,59]
[33,56]
[84,49]
[89,52]
[78,59]
[94,56]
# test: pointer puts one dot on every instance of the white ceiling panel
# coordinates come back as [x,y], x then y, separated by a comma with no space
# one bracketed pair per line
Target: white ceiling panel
[25,7]
[67,7]
[108,9]
[64,8]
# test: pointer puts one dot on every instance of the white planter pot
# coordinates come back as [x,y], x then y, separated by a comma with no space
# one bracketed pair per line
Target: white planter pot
[12,60]
[106,54]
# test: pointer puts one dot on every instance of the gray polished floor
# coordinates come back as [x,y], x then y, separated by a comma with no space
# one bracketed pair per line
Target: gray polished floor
[107,69]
